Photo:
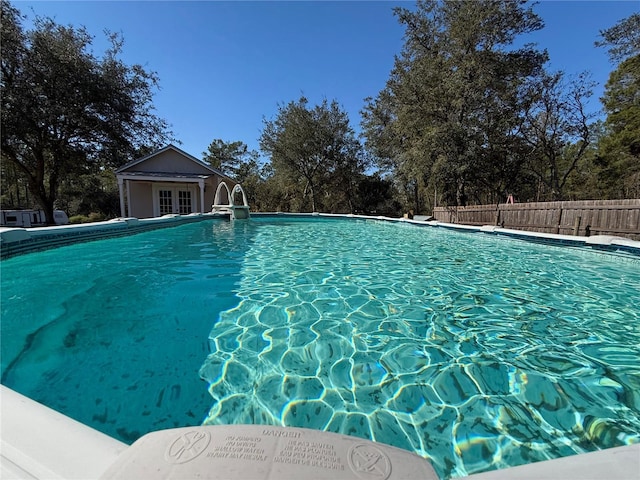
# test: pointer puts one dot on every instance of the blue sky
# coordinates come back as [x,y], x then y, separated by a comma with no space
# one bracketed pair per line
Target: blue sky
[224,66]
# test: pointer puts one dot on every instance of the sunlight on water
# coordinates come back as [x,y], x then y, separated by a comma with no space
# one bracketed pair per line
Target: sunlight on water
[474,351]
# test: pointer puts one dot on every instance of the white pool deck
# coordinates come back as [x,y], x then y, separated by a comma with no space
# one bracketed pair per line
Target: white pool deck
[39,443]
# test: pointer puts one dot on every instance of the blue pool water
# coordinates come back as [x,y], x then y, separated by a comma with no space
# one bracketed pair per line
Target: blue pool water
[474,351]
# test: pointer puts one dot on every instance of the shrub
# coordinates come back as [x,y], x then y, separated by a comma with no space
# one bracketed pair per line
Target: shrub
[92,217]
[79,219]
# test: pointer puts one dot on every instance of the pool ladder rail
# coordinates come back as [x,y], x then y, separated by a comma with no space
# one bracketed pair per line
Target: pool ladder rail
[237,212]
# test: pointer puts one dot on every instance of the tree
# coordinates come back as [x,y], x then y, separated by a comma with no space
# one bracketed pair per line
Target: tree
[623,39]
[93,194]
[63,110]
[588,181]
[15,192]
[316,149]
[557,129]
[619,147]
[275,192]
[450,110]
[250,174]
[229,157]
[376,195]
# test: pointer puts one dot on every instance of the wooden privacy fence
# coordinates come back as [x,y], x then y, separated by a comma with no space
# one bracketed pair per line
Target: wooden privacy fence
[587,217]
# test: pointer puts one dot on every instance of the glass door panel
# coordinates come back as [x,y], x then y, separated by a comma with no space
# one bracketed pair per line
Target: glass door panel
[166,201]
[184,202]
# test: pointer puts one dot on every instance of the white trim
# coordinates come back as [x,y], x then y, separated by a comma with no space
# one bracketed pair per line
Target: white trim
[128,184]
[201,185]
[121,193]
[216,199]
[238,188]
[156,178]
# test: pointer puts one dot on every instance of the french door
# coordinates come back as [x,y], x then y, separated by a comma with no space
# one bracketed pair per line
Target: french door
[171,199]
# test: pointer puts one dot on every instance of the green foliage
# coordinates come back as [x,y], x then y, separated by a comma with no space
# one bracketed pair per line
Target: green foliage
[465,117]
[376,195]
[64,110]
[623,39]
[251,176]
[14,191]
[92,217]
[315,157]
[557,130]
[619,146]
[231,158]
[95,192]
[447,119]
[587,182]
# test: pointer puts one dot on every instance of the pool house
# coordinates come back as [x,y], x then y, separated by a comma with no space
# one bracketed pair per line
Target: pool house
[168,181]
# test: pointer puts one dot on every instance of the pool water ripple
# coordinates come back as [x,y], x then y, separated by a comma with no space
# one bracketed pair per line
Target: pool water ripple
[473,352]
[112,333]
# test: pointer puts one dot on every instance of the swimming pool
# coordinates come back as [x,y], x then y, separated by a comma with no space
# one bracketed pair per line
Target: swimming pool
[475,351]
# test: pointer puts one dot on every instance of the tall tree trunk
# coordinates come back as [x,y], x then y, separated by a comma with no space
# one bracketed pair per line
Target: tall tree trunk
[313,197]
[46,204]
[44,201]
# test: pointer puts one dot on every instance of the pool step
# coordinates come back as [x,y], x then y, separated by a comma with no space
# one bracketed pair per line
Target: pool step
[264,453]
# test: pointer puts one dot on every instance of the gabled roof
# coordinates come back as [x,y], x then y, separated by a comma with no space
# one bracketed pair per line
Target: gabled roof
[200,163]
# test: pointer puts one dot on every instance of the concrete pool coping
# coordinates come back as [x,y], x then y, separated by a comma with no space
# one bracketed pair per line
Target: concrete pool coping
[37,442]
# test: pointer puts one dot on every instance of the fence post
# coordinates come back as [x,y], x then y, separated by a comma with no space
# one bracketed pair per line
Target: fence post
[497,215]
[576,225]
[559,221]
